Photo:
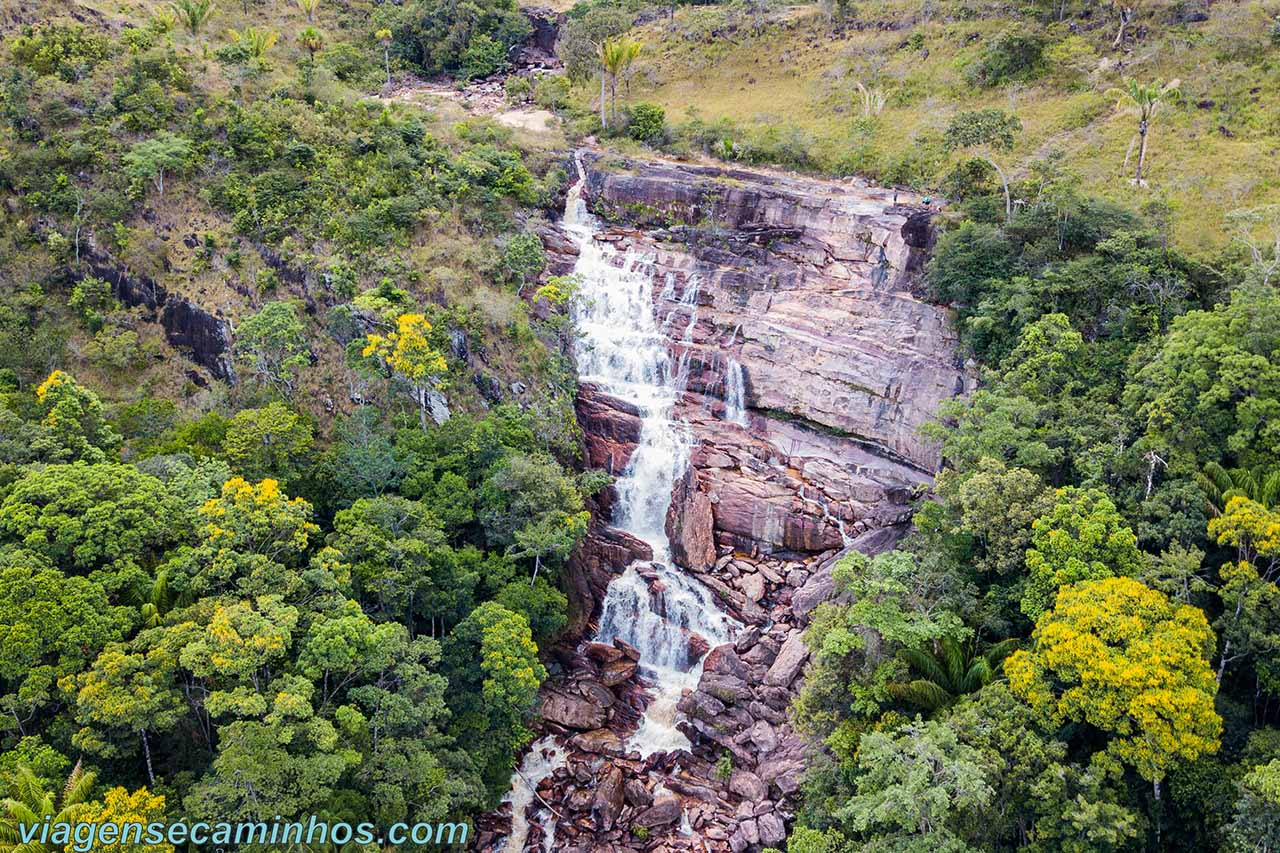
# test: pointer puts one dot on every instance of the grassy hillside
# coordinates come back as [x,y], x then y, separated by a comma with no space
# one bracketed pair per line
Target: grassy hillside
[790,74]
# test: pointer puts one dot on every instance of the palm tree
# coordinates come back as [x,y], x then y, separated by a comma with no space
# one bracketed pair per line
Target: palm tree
[193,13]
[29,803]
[616,56]
[308,8]
[256,42]
[1220,486]
[1145,99]
[384,36]
[311,41]
[949,670]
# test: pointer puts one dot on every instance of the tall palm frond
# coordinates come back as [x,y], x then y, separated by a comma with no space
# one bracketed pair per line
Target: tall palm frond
[1220,485]
[950,669]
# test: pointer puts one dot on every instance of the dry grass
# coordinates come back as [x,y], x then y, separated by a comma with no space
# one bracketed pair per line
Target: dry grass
[1214,152]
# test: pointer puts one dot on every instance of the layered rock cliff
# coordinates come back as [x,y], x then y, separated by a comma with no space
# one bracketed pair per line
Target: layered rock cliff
[811,363]
[807,365]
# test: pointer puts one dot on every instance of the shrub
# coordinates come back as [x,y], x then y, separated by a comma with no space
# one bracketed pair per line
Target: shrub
[517,89]
[551,92]
[483,57]
[1014,54]
[648,123]
[71,52]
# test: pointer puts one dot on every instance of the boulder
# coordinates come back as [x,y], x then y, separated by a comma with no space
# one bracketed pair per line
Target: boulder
[748,785]
[573,712]
[789,662]
[665,809]
[606,805]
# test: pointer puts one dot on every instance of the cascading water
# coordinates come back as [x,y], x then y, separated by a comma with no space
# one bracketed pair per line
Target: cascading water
[623,350]
[735,393]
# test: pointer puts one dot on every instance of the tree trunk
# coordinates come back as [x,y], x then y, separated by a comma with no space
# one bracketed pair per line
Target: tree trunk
[1126,15]
[422,407]
[537,564]
[604,118]
[1004,182]
[386,55]
[1143,127]
[146,749]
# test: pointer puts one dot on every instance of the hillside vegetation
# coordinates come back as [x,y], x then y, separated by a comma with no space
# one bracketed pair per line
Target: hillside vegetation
[787,79]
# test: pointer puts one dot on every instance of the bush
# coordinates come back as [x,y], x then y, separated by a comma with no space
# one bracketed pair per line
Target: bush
[551,91]
[483,57]
[517,89]
[71,52]
[1015,54]
[648,123]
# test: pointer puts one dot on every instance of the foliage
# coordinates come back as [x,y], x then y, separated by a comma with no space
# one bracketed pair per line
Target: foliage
[1083,538]
[163,154]
[273,344]
[647,123]
[1122,658]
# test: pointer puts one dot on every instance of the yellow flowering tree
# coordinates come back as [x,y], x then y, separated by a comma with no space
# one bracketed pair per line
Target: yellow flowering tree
[121,808]
[258,519]
[1250,621]
[1123,658]
[75,423]
[407,352]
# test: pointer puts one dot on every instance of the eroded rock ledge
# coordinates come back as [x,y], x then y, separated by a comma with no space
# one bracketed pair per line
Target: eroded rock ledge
[806,291]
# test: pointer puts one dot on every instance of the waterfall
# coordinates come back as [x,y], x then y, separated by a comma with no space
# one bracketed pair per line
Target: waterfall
[623,350]
[735,409]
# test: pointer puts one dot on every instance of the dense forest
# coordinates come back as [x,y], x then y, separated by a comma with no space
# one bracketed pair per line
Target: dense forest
[290,473]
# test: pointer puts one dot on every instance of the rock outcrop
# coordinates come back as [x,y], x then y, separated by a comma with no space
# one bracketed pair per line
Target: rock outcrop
[809,362]
[807,366]
[186,325]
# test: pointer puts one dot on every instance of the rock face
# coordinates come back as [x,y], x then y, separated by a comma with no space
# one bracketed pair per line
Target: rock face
[186,325]
[807,366]
[809,362]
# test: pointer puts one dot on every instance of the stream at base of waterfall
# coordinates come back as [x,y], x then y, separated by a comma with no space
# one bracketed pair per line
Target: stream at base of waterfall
[623,349]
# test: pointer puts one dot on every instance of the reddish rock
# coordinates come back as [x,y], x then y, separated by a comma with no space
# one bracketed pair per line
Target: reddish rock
[664,810]
[611,428]
[571,711]
[690,525]
[606,805]
[615,673]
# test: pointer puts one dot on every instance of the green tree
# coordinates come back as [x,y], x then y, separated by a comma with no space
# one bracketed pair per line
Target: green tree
[915,785]
[533,508]
[272,344]
[193,13]
[163,154]
[1145,100]
[29,803]
[948,670]
[1211,391]
[1124,659]
[389,543]
[273,441]
[109,519]
[985,132]
[51,626]
[494,674]
[896,602]
[615,56]
[127,695]
[1082,538]
[254,41]
[1256,823]
[75,424]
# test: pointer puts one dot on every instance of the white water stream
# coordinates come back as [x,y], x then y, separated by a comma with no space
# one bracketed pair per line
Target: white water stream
[623,350]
